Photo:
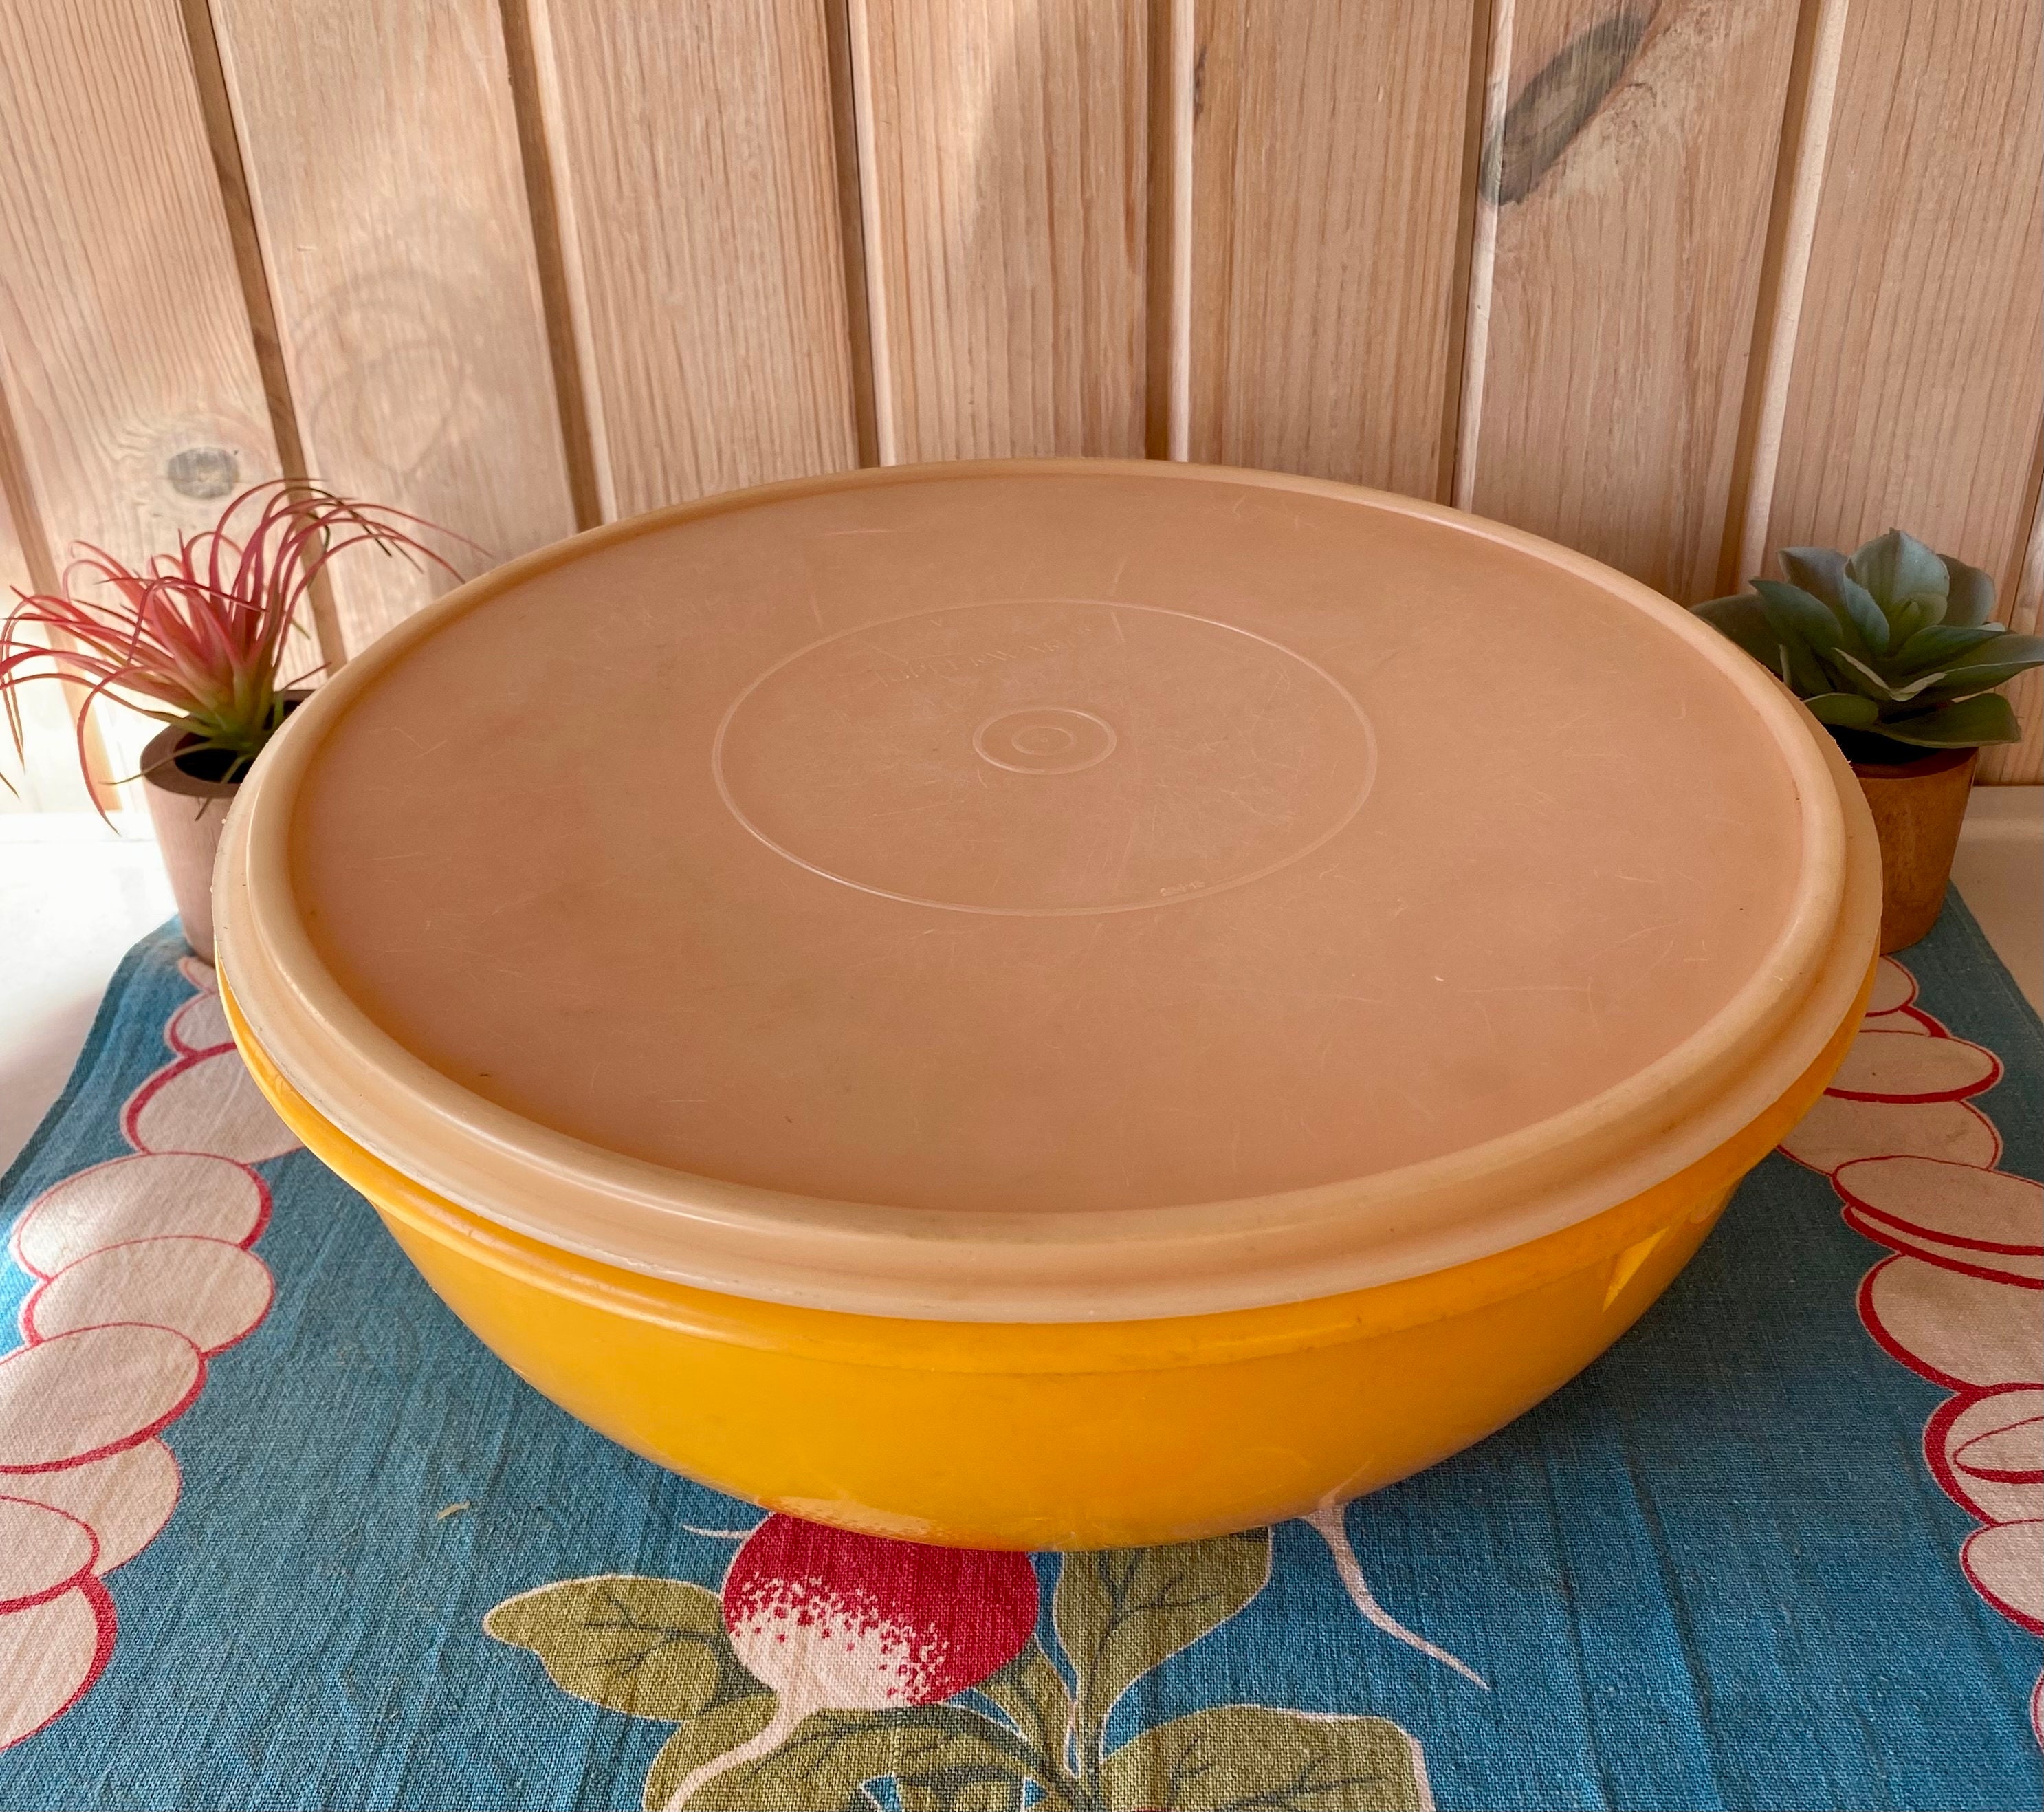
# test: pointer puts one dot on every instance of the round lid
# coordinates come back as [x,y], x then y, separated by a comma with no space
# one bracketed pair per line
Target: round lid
[1036,891]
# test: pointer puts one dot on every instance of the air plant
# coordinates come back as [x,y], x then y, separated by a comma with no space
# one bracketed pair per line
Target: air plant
[196,638]
[1892,649]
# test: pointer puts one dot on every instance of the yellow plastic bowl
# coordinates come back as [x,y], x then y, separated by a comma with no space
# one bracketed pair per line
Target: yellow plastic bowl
[1256,1360]
[1058,1435]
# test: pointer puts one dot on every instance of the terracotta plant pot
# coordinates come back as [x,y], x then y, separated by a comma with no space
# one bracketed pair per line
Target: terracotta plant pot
[187,811]
[1917,807]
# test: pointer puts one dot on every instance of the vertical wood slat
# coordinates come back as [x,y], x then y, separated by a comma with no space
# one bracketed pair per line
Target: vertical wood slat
[126,355]
[1489,56]
[855,105]
[1799,182]
[530,75]
[1168,254]
[382,164]
[845,39]
[1481,255]
[1329,162]
[692,155]
[1011,150]
[1918,375]
[1629,189]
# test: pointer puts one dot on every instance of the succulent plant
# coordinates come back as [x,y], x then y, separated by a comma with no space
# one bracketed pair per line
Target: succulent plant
[1892,649]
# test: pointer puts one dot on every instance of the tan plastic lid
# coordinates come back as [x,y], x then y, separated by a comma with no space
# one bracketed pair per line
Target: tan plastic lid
[1042,891]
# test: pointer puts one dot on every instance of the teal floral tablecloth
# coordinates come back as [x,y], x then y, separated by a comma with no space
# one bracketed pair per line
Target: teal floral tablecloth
[275,1532]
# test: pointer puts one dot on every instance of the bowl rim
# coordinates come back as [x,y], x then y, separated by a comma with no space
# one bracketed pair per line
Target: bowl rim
[1120,1264]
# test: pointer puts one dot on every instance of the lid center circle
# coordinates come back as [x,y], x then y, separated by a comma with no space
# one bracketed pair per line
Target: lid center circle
[1045,739]
[1044,756]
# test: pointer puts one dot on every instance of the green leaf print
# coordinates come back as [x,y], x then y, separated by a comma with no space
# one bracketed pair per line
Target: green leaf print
[652,1648]
[960,1790]
[824,1764]
[1030,1694]
[1249,1758]
[716,1732]
[1120,1613]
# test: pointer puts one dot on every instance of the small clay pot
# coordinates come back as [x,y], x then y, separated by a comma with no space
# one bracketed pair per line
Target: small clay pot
[1917,807]
[187,811]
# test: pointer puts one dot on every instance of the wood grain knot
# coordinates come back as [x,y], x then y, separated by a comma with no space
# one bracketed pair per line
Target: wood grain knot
[202,473]
[1556,104]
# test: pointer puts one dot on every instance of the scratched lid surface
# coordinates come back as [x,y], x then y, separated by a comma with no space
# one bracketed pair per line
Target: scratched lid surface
[1048,840]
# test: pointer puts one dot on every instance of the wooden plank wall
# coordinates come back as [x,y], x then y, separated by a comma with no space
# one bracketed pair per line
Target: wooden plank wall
[1676,282]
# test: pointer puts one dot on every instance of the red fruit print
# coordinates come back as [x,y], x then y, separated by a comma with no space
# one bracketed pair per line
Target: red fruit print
[871,1622]
[834,1621]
